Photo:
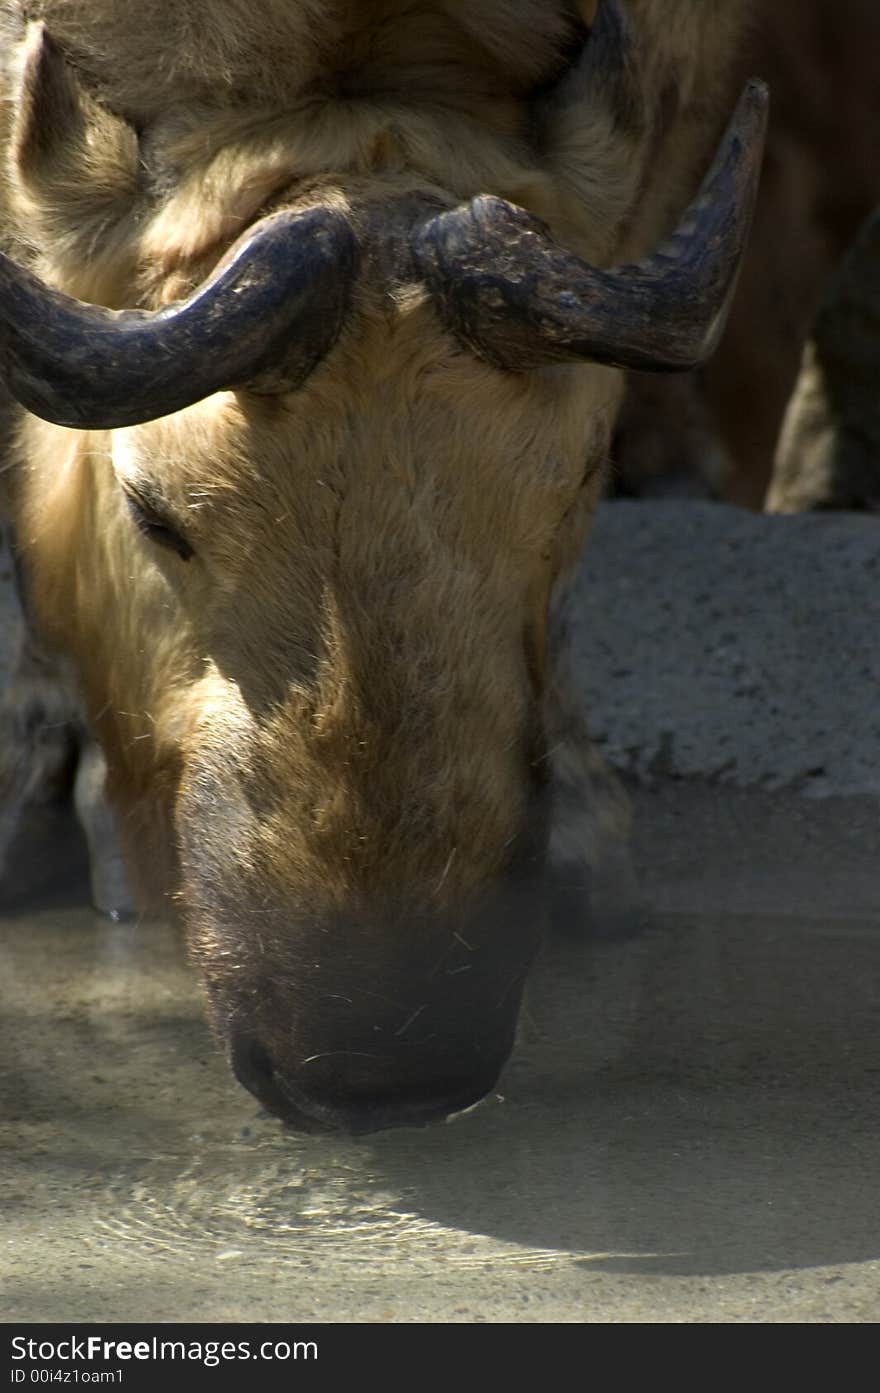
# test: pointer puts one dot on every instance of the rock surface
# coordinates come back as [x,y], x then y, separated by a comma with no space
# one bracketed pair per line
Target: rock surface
[719,644]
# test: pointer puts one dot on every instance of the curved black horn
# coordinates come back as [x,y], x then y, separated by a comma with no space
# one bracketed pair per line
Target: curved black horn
[517,300]
[268,313]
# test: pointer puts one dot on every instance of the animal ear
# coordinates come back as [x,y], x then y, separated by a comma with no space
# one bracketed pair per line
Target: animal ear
[74,165]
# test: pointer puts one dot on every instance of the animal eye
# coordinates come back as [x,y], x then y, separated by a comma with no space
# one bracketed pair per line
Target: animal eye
[149,522]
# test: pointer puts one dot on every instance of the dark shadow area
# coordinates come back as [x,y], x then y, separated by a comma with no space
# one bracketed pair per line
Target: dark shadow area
[681,1125]
[47,863]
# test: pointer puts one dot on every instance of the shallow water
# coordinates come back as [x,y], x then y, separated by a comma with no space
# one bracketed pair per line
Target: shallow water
[689,1130]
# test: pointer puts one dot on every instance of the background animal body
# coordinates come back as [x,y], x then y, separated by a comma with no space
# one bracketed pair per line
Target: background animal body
[829,449]
[821,180]
[340,706]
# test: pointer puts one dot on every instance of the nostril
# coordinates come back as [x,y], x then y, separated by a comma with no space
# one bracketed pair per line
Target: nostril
[253,1066]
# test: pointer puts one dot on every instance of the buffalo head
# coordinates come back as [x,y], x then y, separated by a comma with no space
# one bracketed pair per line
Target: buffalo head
[298,533]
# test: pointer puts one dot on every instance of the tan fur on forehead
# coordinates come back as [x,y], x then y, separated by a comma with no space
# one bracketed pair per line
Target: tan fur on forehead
[147,56]
[245,110]
[217,197]
[232,112]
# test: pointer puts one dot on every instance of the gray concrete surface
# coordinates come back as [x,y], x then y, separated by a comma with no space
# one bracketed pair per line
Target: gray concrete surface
[689,1129]
[745,649]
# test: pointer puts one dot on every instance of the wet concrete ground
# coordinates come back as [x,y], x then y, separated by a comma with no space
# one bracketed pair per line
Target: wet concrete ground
[689,1129]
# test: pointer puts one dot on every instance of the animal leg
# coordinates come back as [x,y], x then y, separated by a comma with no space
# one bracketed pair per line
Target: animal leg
[42,743]
[37,740]
[593,881]
[111,894]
